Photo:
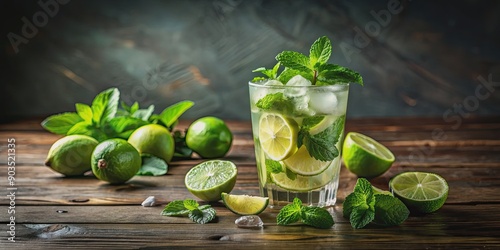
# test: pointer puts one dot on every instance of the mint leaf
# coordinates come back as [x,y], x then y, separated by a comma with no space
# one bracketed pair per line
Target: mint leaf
[339,75]
[276,102]
[294,60]
[258,79]
[290,213]
[191,204]
[152,166]
[181,148]
[84,111]
[170,114]
[85,128]
[61,123]
[363,186]
[311,121]
[274,167]
[317,217]
[202,216]
[143,114]
[123,126]
[135,107]
[105,105]
[175,208]
[320,51]
[270,73]
[321,146]
[290,175]
[389,211]
[361,216]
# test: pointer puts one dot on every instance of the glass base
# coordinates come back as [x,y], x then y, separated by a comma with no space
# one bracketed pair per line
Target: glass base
[322,197]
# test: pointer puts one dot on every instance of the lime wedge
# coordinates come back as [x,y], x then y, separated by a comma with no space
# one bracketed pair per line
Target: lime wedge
[245,204]
[303,164]
[421,192]
[305,183]
[209,179]
[366,157]
[278,136]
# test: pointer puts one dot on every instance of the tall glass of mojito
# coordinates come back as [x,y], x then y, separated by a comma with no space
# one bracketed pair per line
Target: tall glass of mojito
[298,118]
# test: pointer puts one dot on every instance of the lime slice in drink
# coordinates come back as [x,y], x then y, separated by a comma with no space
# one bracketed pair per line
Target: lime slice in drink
[209,179]
[366,157]
[303,164]
[321,124]
[278,136]
[303,183]
[421,192]
[245,204]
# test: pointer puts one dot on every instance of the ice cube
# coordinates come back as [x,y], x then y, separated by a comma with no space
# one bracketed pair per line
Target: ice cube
[323,102]
[273,83]
[296,82]
[301,105]
[249,221]
[149,202]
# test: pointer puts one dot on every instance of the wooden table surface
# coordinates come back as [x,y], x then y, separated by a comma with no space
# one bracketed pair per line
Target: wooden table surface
[53,212]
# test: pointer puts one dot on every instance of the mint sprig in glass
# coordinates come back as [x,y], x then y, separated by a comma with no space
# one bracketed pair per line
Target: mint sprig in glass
[298,113]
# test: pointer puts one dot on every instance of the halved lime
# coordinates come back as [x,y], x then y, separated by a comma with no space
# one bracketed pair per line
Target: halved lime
[304,164]
[304,183]
[245,204]
[366,157]
[421,192]
[209,179]
[278,136]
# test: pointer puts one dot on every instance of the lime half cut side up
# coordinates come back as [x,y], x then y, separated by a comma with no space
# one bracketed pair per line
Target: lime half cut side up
[245,204]
[366,157]
[421,192]
[209,179]
[278,136]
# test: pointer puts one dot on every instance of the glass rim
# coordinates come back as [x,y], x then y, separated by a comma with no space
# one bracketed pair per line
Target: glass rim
[343,86]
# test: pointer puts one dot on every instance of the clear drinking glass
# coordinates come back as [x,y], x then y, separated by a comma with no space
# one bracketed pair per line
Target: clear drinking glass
[316,114]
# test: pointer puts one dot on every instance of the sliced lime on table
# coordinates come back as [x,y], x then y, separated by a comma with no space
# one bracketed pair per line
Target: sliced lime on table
[366,157]
[209,179]
[303,164]
[245,204]
[278,136]
[421,192]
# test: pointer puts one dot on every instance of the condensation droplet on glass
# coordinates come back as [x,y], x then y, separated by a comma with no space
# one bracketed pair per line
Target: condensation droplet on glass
[249,221]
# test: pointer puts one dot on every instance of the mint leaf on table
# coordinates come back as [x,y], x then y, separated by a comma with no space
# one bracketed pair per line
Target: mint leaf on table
[202,216]
[105,105]
[175,208]
[191,208]
[275,102]
[320,51]
[317,217]
[311,216]
[363,206]
[61,123]
[389,210]
[152,166]
[290,213]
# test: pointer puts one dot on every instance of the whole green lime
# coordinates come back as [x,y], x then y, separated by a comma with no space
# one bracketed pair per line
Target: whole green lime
[209,137]
[153,139]
[71,154]
[115,161]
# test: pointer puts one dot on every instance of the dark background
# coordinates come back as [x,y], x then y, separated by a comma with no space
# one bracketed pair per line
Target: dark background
[427,59]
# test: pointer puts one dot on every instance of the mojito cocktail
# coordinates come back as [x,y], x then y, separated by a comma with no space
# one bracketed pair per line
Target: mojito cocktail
[298,118]
[297,144]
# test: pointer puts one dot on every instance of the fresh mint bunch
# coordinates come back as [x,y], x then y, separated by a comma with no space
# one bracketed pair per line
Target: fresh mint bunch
[314,67]
[363,206]
[312,216]
[199,214]
[104,119]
